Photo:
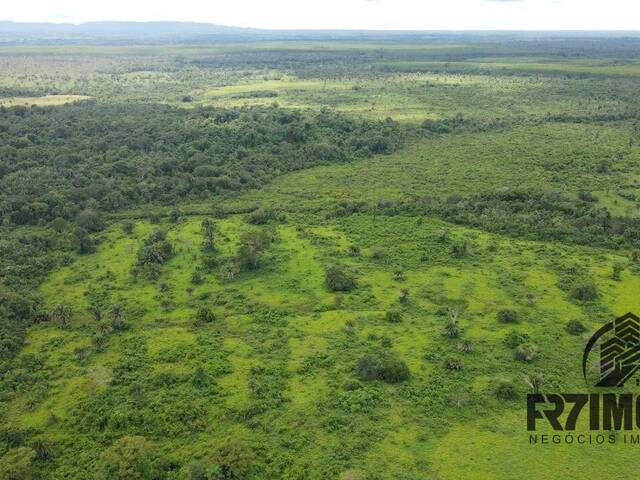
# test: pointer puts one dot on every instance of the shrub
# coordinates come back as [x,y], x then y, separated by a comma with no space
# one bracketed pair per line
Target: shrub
[201,471]
[466,346]
[505,390]
[90,220]
[264,215]
[584,291]
[252,244]
[575,327]
[507,316]
[353,251]
[61,314]
[377,252]
[16,464]
[535,382]
[452,327]
[339,279]
[459,249]
[205,315]
[130,457]
[453,364]
[587,196]
[383,367]
[514,338]
[527,352]
[234,461]
[404,296]
[196,278]
[616,273]
[393,316]
[127,228]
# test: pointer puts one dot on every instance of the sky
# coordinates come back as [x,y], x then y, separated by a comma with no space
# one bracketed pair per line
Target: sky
[345,14]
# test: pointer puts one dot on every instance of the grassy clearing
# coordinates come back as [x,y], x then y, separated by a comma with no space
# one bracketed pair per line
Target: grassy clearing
[47,100]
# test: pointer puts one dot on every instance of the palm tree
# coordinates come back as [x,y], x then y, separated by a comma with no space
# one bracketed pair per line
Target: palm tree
[117,314]
[452,327]
[96,312]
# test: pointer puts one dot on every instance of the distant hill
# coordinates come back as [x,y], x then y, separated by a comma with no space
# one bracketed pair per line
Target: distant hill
[118,29]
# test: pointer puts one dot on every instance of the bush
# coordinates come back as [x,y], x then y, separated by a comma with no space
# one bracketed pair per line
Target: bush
[353,251]
[575,327]
[339,279]
[527,352]
[506,390]
[204,315]
[16,464]
[383,367]
[264,215]
[507,316]
[252,244]
[453,364]
[127,228]
[466,346]
[130,457]
[585,291]
[234,461]
[393,316]
[196,278]
[514,338]
[377,252]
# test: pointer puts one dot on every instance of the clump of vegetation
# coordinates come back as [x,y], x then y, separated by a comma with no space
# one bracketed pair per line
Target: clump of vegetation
[393,316]
[535,382]
[377,252]
[459,249]
[507,315]
[62,314]
[451,363]
[252,244]
[515,338]
[404,296]
[575,327]
[526,352]
[263,216]
[506,390]
[129,457]
[154,253]
[385,367]
[18,464]
[197,278]
[466,346]
[127,228]
[585,291]
[353,251]
[339,279]
[204,315]
[208,228]
[616,273]
[452,326]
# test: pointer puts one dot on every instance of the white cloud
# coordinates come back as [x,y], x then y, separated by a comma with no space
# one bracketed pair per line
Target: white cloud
[371,14]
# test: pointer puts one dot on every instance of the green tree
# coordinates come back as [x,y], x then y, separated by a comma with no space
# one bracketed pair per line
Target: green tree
[16,464]
[129,458]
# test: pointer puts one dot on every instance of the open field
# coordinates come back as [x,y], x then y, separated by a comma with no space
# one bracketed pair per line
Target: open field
[310,260]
